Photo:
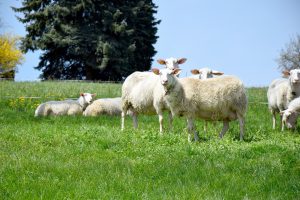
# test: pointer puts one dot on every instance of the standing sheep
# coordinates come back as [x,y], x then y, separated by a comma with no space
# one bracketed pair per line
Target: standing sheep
[283,91]
[66,107]
[204,73]
[105,106]
[218,99]
[142,94]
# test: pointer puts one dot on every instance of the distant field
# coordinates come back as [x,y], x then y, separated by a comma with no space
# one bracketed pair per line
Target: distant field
[90,158]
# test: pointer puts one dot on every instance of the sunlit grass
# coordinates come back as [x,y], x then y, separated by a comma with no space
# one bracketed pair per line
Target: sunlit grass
[90,158]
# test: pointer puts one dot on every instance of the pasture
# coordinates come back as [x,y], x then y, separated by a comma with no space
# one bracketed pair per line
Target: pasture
[90,158]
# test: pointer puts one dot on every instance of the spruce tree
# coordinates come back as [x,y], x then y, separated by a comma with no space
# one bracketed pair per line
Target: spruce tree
[96,39]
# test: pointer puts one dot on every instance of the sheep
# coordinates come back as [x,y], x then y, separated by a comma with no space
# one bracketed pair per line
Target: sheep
[204,73]
[66,107]
[283,91]
[290,115]
[218,99]
[142,94]
[105,106]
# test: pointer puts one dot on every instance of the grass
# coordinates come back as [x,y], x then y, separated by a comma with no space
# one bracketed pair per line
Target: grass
[90,158]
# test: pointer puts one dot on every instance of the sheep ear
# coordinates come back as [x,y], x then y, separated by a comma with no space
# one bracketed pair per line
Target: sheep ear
[176,71]
[195,71]
[161,61]
[181,60]
[286,73]
[217,73]
[155,71]
[93,95]
[81,94]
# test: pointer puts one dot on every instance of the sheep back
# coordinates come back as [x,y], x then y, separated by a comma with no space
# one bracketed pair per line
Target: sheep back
[67,107]
[105,106]
[215,99]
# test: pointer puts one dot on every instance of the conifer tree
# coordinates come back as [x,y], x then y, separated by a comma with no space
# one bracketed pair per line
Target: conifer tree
[96,39]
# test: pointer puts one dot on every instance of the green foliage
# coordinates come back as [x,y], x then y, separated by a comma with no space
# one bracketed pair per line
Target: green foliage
[90,158]
[96,39]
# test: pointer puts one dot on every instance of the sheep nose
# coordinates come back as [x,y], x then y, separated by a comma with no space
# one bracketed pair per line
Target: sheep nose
[164,82]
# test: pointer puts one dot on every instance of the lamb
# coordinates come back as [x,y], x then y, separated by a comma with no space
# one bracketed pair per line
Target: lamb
[283,91]
[290,115]
[218,99]
[142,94]
[105,106]
[66,107]
[204,73]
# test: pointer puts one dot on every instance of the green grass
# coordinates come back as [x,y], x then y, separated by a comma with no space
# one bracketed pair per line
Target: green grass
[90,158]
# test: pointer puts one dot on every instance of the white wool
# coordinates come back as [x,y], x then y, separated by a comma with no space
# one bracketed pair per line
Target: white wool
[218,99]
[66,107]
[105,106]
[282,91]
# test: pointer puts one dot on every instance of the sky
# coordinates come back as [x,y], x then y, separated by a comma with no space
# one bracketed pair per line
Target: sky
[238,37]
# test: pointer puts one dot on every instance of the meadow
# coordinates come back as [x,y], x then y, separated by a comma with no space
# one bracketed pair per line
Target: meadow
[76,157]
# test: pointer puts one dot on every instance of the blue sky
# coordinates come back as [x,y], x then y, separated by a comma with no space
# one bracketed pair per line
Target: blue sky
[238,37]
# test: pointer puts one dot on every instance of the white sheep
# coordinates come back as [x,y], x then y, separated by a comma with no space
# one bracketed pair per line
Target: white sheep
[66,107]
[204,73]
[142,94]
[105,106]
[218,99]
[290,115]
[283,91]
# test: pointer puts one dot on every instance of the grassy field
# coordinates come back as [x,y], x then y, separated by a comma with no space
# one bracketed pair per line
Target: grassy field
[90,158]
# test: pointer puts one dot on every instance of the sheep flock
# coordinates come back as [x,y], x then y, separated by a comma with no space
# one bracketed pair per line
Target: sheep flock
[207,94]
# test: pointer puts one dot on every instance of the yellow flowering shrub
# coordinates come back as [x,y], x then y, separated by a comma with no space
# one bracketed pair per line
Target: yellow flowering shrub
[10,55]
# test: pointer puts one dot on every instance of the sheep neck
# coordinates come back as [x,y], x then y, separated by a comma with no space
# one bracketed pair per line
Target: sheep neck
[81,103]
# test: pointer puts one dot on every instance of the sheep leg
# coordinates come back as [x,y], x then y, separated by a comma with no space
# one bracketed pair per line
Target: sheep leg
[282,123]
[205,126]
[161,119]
[274,119]
[225,128]
[191,128]
[170,121]
[134,119]
[242,123]
[123,120]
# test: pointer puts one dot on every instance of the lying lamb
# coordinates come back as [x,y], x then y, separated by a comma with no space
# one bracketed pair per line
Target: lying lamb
[290,115]
[218,99]
[204,73]
[66,107]
[283,91]
[105,106]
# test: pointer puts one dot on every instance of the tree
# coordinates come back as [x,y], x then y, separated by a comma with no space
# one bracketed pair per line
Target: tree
[10,55]
[290,56]
[92,39]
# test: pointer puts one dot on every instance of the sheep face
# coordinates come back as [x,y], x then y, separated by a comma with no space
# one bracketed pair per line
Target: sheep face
[294,75]
[289,119]
[205,73]
[166,76]
[87,98]
[171,63]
